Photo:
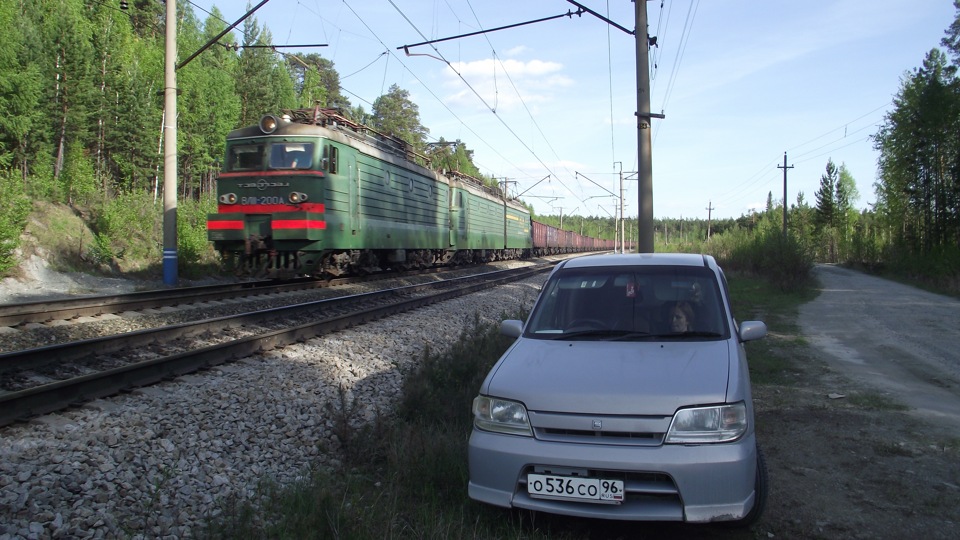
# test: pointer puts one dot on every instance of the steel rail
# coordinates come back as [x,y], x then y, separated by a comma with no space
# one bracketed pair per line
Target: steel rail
[70,308]
[21,405]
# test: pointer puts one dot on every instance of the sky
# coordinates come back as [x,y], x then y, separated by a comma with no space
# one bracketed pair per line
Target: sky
[549,107]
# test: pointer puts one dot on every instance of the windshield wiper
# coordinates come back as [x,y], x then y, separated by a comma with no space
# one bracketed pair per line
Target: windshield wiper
[633,335]
[691,333]
[701,333]
[588,333]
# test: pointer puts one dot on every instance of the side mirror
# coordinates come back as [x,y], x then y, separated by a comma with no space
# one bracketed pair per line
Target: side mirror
[751,330]
[511,328]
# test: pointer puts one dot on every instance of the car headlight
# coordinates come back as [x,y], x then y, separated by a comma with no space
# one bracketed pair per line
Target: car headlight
[501,416]
[722,423]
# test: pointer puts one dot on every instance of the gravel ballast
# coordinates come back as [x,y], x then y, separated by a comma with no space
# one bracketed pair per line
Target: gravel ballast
[161,460]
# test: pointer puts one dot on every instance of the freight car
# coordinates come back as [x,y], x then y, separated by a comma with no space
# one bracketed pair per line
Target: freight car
[313,193]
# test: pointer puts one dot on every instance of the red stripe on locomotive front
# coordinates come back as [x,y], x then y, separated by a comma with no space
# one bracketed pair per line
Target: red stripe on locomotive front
[225,225]
[269,208]
[289,172]
[299,224]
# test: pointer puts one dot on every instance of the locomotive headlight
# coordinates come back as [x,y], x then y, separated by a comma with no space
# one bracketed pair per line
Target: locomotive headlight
[269,123]
[228,198]
[297,197]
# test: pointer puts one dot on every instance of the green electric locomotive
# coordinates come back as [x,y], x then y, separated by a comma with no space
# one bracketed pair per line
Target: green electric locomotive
[312,193]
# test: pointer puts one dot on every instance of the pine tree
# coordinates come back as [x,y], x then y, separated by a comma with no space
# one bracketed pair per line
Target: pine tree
[316,82]
[826,207]
[395,114]
[19,89]
[919,166]
[262,80]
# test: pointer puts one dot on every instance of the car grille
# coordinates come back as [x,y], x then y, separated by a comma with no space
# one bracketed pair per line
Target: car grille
[600,437]
[599,429]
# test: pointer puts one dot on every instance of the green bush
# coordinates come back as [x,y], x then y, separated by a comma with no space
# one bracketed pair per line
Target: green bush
[765,252]
[14,208]
[939,268]
[100,252]
[41,185]
[133,223]
[192,245]
[78,179]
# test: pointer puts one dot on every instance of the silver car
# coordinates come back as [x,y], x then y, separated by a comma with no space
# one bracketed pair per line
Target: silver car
[625,396]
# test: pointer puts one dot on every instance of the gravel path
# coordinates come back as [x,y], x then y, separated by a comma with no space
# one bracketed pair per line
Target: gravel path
[899,339]
[156,462]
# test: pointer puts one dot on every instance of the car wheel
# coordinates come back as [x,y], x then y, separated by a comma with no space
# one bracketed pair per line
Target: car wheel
[760,499]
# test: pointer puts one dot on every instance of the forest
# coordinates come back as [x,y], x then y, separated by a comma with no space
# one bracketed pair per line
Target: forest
[81,84]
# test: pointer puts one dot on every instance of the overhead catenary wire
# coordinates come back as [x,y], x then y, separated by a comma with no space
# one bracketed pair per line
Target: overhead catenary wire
[482,100]
[678,59]
[425,86]
[517,90]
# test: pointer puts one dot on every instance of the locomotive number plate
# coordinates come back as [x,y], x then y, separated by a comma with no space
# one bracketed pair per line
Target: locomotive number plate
[262,200]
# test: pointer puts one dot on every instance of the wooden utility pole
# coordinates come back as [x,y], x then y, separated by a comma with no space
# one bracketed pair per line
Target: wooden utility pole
[784,167]
[709,213]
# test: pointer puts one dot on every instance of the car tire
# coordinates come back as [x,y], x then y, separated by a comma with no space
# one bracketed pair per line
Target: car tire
[760,499]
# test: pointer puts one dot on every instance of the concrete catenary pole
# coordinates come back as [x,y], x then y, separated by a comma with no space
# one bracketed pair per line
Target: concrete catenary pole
[644,151]
[170,149]
[623,223]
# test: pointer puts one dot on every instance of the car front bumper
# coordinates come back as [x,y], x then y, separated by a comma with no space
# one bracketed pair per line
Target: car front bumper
[692,483]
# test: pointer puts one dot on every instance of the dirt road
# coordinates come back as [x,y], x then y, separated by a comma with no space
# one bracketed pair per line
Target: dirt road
[903,341]
[863,436]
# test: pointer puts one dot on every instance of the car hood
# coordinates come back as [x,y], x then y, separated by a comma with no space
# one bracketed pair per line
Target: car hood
[617,378]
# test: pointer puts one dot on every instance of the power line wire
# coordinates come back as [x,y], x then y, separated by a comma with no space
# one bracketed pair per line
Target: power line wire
[678,59]
[517,90]
[482,100]
[427,88]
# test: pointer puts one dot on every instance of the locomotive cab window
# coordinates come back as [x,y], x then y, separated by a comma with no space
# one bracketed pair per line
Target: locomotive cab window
[330,156]
[291,155]
[245,157]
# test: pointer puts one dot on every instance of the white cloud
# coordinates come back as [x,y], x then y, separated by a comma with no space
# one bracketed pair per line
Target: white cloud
[499,82]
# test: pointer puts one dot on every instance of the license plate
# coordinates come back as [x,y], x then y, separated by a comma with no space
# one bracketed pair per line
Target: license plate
[598,490]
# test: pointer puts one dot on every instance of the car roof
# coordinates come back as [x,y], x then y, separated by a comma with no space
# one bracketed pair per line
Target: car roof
[640,259]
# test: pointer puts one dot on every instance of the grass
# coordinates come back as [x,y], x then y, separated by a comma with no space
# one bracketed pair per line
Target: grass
[772,359]
[876,402]
[405,475]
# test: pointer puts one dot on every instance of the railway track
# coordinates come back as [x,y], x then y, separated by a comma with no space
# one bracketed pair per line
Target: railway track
[45,379]
[45,311]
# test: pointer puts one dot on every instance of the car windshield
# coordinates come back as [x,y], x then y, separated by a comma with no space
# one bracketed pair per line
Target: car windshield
[630,303]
